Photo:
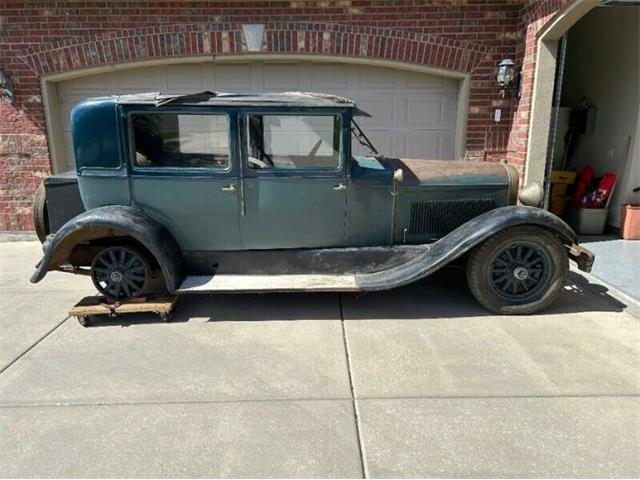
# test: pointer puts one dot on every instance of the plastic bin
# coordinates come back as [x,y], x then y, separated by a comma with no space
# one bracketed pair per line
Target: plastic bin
[630,221]
[588,221]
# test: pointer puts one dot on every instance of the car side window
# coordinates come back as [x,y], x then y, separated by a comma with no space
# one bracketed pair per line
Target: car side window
[293,141]
[180,140]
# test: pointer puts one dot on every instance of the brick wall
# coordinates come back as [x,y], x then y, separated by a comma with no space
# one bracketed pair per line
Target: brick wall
[534,16]
[40,38]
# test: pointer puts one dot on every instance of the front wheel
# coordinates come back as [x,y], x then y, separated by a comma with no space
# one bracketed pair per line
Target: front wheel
[518,271]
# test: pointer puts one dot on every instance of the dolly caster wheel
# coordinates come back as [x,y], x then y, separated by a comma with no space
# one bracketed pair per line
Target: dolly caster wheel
[84,320]
[165,316]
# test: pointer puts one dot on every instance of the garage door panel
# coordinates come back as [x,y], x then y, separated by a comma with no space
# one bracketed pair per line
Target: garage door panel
[414,114]
[380,78]
[141,79]
[230,78]
[67,161]
[383,141]
[427,112]
[431,82]
[185,78]
[328,77]
[67,102]
[281,78]
[429,144]
[381,109]
[90,84]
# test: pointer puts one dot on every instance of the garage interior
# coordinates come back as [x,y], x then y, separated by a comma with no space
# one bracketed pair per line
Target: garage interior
[598,119]
[597,124]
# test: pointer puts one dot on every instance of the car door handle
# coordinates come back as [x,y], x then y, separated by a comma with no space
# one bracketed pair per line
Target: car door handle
[229,188]
[340,187]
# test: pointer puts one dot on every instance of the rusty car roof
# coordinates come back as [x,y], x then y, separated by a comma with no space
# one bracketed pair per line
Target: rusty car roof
[298,99]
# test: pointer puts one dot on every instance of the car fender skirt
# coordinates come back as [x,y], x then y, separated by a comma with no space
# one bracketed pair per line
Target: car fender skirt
[460,241]
[114,221]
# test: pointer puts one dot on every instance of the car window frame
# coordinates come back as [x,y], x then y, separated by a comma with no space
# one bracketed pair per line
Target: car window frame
[180,171]
[291,172]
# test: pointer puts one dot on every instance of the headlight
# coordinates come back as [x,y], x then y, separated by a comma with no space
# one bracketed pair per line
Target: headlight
[531,194]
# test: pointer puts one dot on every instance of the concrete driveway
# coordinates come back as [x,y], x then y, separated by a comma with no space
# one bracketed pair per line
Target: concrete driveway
[418,381]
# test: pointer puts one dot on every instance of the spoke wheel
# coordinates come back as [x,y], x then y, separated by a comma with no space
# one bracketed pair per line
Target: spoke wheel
[517,271]
[520,271]
[120,272]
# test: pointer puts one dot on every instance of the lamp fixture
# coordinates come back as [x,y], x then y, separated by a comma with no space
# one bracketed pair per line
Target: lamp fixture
[6,87]
[507,77]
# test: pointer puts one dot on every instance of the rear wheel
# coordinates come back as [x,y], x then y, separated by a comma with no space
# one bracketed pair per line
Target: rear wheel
[518,271]
[120,272]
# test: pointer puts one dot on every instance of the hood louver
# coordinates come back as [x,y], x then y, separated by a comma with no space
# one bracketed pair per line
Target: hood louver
[435,218]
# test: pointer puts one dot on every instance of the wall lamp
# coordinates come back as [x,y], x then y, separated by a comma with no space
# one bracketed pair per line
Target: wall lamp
[6,87]
[507,77]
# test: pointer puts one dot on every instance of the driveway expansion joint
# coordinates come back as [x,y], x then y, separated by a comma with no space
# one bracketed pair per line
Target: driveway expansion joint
[356,413]
[33,345]
[328,399]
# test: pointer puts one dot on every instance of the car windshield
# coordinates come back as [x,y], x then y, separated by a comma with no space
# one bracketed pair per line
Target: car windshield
[362,138]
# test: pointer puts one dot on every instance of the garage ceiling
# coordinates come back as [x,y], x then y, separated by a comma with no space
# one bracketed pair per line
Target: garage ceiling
[414,114]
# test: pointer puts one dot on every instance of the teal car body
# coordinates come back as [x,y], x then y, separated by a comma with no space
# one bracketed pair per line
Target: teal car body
[229,184]
[271,208]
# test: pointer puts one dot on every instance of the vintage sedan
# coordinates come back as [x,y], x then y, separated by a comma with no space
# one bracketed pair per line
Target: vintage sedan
[215,192]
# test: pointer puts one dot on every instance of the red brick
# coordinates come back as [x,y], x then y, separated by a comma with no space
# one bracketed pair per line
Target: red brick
[468,37]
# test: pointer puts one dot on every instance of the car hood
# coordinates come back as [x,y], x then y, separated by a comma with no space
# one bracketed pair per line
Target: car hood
[423,174]
[446,172]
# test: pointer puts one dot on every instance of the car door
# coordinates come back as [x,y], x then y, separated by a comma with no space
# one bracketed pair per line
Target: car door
[294,179]
[184,173]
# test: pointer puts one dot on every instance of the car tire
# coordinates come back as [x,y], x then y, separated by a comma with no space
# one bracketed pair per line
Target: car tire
[120,272]
[40,214]
[518,271]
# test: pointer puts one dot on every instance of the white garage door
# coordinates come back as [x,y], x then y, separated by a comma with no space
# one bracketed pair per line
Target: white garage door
[414,114]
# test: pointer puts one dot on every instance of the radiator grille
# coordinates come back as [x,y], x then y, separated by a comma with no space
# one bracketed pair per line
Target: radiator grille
[436,218]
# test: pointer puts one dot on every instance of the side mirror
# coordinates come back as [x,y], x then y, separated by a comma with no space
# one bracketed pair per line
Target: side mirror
[398,176]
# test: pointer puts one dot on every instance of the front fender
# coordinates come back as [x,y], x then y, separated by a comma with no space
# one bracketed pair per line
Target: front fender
[114,221]
[460,241]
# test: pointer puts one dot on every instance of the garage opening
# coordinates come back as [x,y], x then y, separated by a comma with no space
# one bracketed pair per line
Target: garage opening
[414,114]
[595,135]
[596,120]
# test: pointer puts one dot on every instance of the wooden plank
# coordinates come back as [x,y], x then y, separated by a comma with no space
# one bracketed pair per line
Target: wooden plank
[97,306]
[268,283]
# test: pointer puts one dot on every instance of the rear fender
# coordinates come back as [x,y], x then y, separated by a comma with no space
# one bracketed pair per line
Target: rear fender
[463,239]
[114,221]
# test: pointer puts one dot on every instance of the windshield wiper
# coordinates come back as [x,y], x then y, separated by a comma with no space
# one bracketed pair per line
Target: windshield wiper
[362,138]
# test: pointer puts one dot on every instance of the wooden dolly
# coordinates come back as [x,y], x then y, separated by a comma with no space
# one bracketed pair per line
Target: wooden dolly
[98,305]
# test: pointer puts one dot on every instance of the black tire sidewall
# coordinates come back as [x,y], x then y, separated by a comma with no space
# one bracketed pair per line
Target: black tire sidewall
[483,256]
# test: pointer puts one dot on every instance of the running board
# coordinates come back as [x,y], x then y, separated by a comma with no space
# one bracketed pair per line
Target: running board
[230,283]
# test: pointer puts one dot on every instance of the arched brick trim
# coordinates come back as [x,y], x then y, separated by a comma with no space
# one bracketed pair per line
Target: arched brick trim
[220,39]
[535,17]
